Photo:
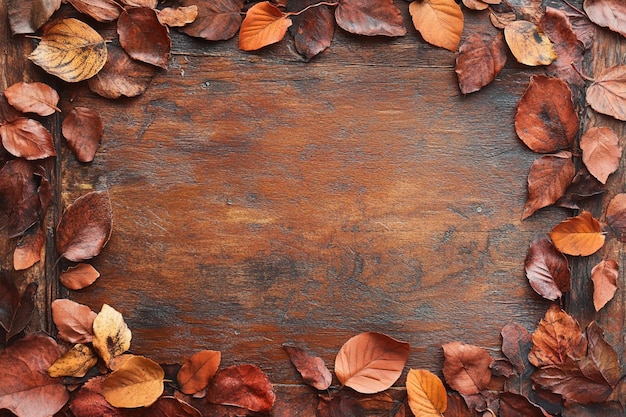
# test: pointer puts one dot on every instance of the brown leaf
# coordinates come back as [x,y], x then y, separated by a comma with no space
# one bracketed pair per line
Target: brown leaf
[79,276]
[604,409]
[583,186]
[607,13]
[23,311]
[74,321]
[440,22]
[528,44]
[480,59]
[100,10]
[558,336]
[549,177]
[546,120]
[137,383]
[88,402]
[171,407]
[150,4]
[601,362]
[604,276]
[370,17]
[427,395]
[607,95]
[143,37]
[263,25]
[15,310]
[27,16]
[578,236]
[244,386]
[571,384]
[24,382]
[177,17]
[466,367]
[71,50]
[28,249]
[475,4]
[568,48]
[83,128]
[76,362]
[312,368]
[547,270]
[601,152]
[313,29]
[111,335]
[196,373]
[515,405]
[217,20]
[35,97]
[371,362]
[27,138]
[85,227]
[516,344]
[616,216]
[584,28]
[501,20]
[457,407]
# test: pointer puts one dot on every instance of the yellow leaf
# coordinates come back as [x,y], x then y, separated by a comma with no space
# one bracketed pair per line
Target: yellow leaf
[264,25]
[71,50]
[137,383]
[439,21]
[528,45]
[111,335]
[75,363]
[427,395]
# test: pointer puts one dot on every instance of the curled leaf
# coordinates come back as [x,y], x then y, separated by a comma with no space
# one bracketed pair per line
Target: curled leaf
[137,383]
[312,368]
[528,44]
[578,236]
[440,22]
[427,395]
[263,25]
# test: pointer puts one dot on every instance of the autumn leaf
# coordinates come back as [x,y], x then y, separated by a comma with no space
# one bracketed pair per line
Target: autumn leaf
[34,97]
[601,362]
[15,311]
[475,4]
[427,395]
[607,13]
[616,216]
[171,407]
[516,343]
[556,25]
[76,362]
[143,37]
[607,95]
[557,337]
[501,20]
[547,269]
[177,17]
[549,177]
[83,128]
[28,16]
[216,20]
[196,373]
[371,362]
[466,367]
[100,10]
[74,321]
[263,25]
[370,17]
[312,368]
[546,120]
[111,335]
[583,186]
[584,28]
[578,236]
[440,22]
[604,276]
[312,29]
[79,276]
[150,4]
[137,383]
[601,152]
[528,44]
[480,59]
[515,405]
[28,249]
[27,138]
[85,227]
[244,386]
[71,50]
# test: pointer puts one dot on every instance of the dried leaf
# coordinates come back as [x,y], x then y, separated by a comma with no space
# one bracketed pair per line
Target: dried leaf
[177,17]
[604,409]
[501,20]
[528,44]
[440,22]
[556,25]
[79,276]
[546,120]
[516,343]
[74,321]
[35,97]
[171,407]
[71,50]
[601,362]
[607,95]
[616,216]
[480,59]
[312,368]
[475,4]
[11,319]
[313,29]
[578,236]
[76,362]
[370,17]
[457,407]
[85,227]
[27,138]
[371,362]
[22,312]
[515,405]
[88,402]
[216,20]
[150,4]
[143,37]
[427,395]
[466,367]
[601,152]
[28,249]
[549,177]
[100,10]
[547,270]
[137,383]
[83,128]
[583,186]
[607,13]
[604,276]
[584,28]
[558,336]
[264,25]
[111,335]
[244,386]
[196,373]
[27,16]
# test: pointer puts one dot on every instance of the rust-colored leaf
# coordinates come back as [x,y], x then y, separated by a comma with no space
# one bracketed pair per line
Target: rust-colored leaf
[547,269]
[27,138]
[370,17]
[549,177]
[583,186]
[196,373]
[89,402]
[313,29]
[616,216]
[312,368]
[546,120]
[74,321]
[528,44]
[466,367]
[143,37]
[607,13]
[177,17]
[516,343]
[137,383]
[85,227]
[601,362]
[371,362]
[502,19]
[83,128]
[263,25]
[171,407]
[216,20]
[15,311]
[244,386]
[480,59]
[111,335]
[584,28]
[24,381]
[475,4]
[578,236]
[558,336]
[515,405]
[100,10]
[556,25]
[79,276]
[76,362]
[27,16]
[28,249]
[440,22]
[607,95]
[604,276]
[71,50]
[35,97]
[602,152]
[427,395]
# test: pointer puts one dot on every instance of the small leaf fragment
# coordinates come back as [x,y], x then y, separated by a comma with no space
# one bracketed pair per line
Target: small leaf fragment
[616,216]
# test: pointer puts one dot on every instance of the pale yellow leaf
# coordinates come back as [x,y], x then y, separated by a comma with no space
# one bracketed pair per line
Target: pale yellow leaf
[427,395]
[75,363]
[137,383]
[111,335]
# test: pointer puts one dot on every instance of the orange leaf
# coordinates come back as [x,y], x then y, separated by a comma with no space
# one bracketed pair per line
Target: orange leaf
[439,21]
[28,249]
[427,395]
[466,367]
[196,373]
[371,362]
[79,276]
[264,25]
[558,336]
[528,45]
[578,236]
[604,277]
[137,383]
[601,152]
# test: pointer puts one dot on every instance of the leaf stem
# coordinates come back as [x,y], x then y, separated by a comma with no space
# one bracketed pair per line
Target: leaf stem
[310,6]
[583,76]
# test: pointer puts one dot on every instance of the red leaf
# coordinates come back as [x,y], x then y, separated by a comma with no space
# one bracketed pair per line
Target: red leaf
[244,386]
[101,10]
[549,177]
[217,20]
[616,216]
[607,13]
[466,367]
[79,276]
[480,59]
[312,368]
[196,373]
[28,249]
[601,152]
[370,17]
[73,321]
[37,98]
[578,236]
[27,138]
[569,49]
[83,128]
[143,37]
[607,95]
[264,25]
[170,407]
[547,269]
[313,29]
[604,276]
[515,405]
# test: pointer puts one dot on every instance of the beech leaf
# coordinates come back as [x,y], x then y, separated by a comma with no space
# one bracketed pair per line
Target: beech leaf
[475,4]
[516,343]
[28,249]
[601,152]
[440,22]
[515,405]
[244,386]
[427,395]
[71,50]
[312,368]
[578,236]
[556,25]
[466,367]
[604,276]
[35,97]
[137,383]
[548,179]
[371,362]
[79,276]
[83,128]
[263,25]
[76,362]
[29,16]
[607,95]
[583,186]
[27,138]
[616,216]
[101,10]
[143,37]
[601,362]
[111,335]
[370,17]
[528,44]
[177,17]
[196,373]
[312,29]
[607,13]
[74,321]
[547,269]
[171,407]
[217,20]
[557,337]
[480,59]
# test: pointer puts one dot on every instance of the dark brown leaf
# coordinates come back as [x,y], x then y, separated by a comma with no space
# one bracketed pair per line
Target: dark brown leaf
[547,269]
[602,152]
[607,13]
[583,186]
[171,407]
[601,362]
[549,177]
[607,95]
[466,367]
[27,138]
[216,20]
[35,97]
[73,321]
[616,216]
[313,29]
[480,59]
[604,409]
[28,249]
[9,300]
[101,10]
[515,405]
[79,276]
[312,368]
[27,16]
[23,312]
[569,49]
[83,128]
[143,37]
[370,17]
[244,386]
[516,344]
[457,407]
[604,277]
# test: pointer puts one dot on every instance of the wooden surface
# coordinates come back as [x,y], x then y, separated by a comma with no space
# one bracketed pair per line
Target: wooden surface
[259,200]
